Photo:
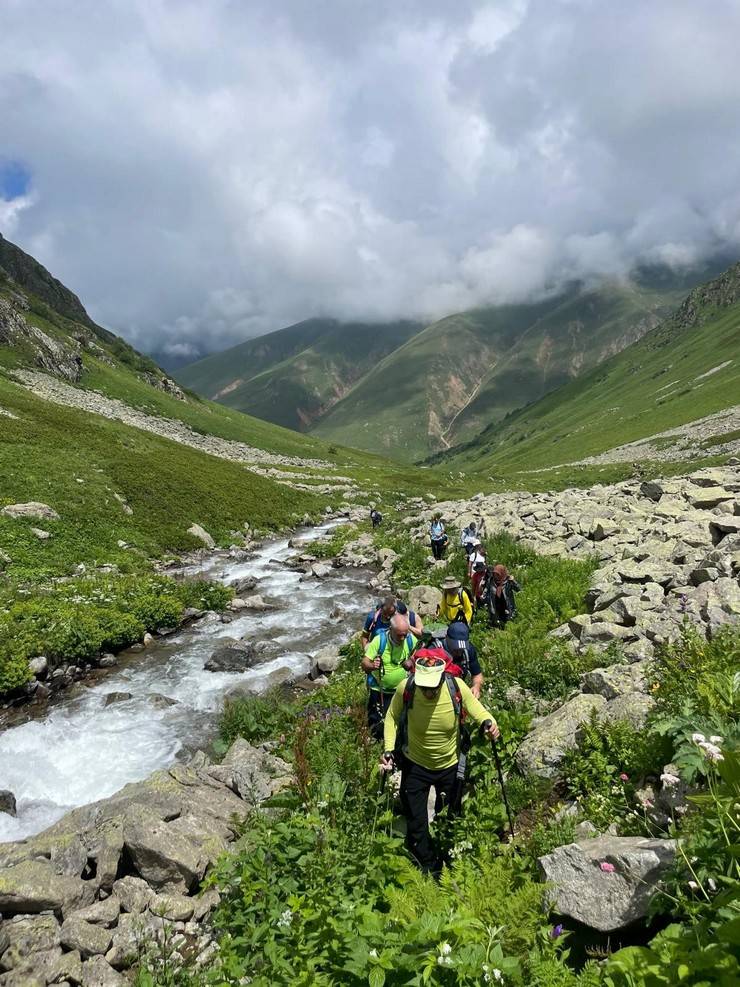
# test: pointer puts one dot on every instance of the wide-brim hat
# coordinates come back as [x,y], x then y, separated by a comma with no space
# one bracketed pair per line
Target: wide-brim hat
[428,670]
[451,583]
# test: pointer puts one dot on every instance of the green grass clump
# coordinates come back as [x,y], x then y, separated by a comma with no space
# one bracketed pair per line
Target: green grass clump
[327,548]
[77,620]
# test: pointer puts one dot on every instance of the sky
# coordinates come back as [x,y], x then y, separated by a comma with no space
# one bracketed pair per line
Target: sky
[201,172]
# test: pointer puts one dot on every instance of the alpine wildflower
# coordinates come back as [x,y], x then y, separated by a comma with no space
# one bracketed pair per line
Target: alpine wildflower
[624,777]
[556,931]
[715,740]
[698,738]
[669,779]
[607,867]
[285,920]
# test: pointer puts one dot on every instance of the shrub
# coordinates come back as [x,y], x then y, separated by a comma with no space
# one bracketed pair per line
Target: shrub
[604,770]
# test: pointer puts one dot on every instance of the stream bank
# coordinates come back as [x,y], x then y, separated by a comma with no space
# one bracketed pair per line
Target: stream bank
[159,704]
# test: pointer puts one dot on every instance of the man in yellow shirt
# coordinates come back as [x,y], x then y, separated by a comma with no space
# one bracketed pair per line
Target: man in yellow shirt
[423,730]
[456,603]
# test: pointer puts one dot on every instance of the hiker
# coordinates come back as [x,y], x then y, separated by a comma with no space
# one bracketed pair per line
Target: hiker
[464,654]
[376,517]
[387,661]
[426,737]
[456,603]
[500,598]
[477,572]
[470,535]
[379,619]
[438,537]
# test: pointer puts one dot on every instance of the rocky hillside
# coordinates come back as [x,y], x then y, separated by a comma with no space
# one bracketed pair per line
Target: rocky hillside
[463,372]
[637,406]
[327,376]
[296,375]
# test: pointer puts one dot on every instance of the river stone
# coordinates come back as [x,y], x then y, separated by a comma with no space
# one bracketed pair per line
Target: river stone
[117,697]
[165,858]
[27,934]
[7,802]
[133,894]
[32,886]
[157,701]
[232,656]
[34,509]
[544,748]
[244,585]
[424,600]
[89,939]
[103,912]
[320,570]
[97,972]
[202,535]
[327,660]
[38,665]
[581,890]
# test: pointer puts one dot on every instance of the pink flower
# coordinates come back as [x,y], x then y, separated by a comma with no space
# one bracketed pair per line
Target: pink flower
[607,867]
[624,777]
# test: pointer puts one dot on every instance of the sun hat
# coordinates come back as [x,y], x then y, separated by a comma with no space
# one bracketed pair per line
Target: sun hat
[451,583]
[428,670]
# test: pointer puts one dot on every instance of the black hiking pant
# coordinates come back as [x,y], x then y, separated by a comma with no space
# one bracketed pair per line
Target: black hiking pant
[377,707]
[438,548]
[415,785]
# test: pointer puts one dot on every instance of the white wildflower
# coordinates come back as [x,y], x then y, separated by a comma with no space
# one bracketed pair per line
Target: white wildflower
[712,885]
[444,961]
[322,804]
[712,752]
[285,919]
[670,780]
[693,886]
[497,975]
[445,949]
[374,954]
[698,738]
[715,740]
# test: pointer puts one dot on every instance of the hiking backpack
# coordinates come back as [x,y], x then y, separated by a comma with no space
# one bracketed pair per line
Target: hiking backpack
[463,734]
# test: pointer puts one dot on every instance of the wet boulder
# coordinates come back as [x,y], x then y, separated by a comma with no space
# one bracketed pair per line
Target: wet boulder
[117,697]
[232,656]
[7,802]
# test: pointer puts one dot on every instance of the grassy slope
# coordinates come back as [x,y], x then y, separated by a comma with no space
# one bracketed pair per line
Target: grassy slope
[652,386]
[515,353]
[292,375]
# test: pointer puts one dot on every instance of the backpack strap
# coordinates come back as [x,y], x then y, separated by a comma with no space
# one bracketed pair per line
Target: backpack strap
[383,636]
[374,622]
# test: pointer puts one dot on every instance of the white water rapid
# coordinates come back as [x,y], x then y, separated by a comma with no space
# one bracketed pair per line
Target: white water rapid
[81,750]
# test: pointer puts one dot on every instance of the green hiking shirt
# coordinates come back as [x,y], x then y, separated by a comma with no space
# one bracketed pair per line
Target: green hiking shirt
[393,658]
[432,725]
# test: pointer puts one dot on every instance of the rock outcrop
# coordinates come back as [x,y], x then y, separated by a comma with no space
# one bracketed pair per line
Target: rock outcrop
[79,900]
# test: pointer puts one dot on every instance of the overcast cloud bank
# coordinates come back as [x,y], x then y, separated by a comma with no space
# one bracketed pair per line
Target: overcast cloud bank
[200,172]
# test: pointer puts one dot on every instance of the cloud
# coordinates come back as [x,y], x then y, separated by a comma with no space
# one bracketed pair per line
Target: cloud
[200,171]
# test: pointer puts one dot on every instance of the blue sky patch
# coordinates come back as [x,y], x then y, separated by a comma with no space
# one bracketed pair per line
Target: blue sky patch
[15,179]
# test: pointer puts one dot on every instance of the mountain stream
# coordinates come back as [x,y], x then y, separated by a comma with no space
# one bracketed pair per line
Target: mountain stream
[81,750]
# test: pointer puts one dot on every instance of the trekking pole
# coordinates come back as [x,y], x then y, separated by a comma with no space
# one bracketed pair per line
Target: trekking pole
[500,771]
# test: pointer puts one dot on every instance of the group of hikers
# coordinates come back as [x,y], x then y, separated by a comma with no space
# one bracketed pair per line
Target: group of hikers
[424,688]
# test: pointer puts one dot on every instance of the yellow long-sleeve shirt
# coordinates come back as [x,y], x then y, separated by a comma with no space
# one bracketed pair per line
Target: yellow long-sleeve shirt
[432,725]
[453,601]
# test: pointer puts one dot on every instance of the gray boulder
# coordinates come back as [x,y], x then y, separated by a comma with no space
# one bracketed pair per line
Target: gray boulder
[31,886]
[634,707]
[7,802]
[424,600]
[33,509]
[254,773]
[165,857]
[606,883]
[88,939]
[97,972]
[133,894]
[103,912]
[543,749]
[232,656]
[24,935]
[202,535]
[615,680]
[117,697]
